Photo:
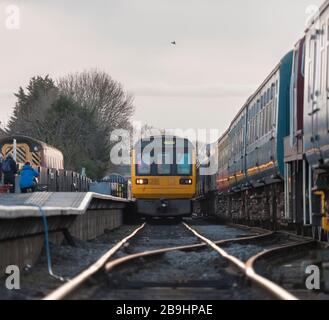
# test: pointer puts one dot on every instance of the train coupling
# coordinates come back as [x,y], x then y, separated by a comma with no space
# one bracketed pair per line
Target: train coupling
[164,204]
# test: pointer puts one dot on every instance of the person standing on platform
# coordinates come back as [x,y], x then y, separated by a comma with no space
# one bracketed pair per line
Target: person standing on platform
[9,169]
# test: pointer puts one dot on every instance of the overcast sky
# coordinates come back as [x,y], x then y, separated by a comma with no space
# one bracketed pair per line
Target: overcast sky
[224,50]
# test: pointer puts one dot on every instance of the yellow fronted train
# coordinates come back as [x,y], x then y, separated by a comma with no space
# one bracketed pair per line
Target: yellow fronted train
[164,176]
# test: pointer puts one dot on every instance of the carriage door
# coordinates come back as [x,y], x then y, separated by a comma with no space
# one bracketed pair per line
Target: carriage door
[311,103]
[314,88]
[288,192]
[327,73]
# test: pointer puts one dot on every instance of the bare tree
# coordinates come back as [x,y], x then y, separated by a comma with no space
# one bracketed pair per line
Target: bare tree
[103,96]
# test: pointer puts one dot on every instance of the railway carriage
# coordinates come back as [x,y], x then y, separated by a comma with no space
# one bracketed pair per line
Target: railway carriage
[297,191]
[207,181]
[250,178]
[278,160]
[236,161]
[224,151]
[316,118]
[268,124]
[276,170]
[164,176]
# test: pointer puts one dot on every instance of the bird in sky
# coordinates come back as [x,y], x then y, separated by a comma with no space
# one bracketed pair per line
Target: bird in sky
[173,43]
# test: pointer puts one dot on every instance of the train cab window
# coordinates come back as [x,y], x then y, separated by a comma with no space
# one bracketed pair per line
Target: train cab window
[165,168]
[184,163]
[143,164]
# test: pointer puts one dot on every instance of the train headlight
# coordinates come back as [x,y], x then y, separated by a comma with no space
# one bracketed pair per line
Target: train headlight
[142,181]
[186,181]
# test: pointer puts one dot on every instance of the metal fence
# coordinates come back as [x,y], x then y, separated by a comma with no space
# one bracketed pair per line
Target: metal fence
[62,181]
[115,185]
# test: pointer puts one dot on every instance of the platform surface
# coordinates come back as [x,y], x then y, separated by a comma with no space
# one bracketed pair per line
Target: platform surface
[53,203]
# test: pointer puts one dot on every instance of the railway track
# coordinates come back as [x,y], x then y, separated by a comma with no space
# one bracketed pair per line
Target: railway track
[183,263]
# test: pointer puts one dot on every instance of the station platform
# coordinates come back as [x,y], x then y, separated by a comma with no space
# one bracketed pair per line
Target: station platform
[54,203]
[82,216]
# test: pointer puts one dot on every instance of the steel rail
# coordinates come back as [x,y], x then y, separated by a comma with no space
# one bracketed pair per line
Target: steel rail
[115,263]
[66,289]
[260,280]
[247,268]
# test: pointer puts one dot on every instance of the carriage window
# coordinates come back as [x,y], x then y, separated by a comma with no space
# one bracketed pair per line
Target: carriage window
[264,100]
[323,33]
[328,69]
[269,110]
[303,61]
[268,95]
[321,75]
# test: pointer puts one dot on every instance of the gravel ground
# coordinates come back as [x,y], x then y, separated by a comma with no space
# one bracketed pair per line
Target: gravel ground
[289,271]
[244,251]
[220,232]
[176,275]
[157,236]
